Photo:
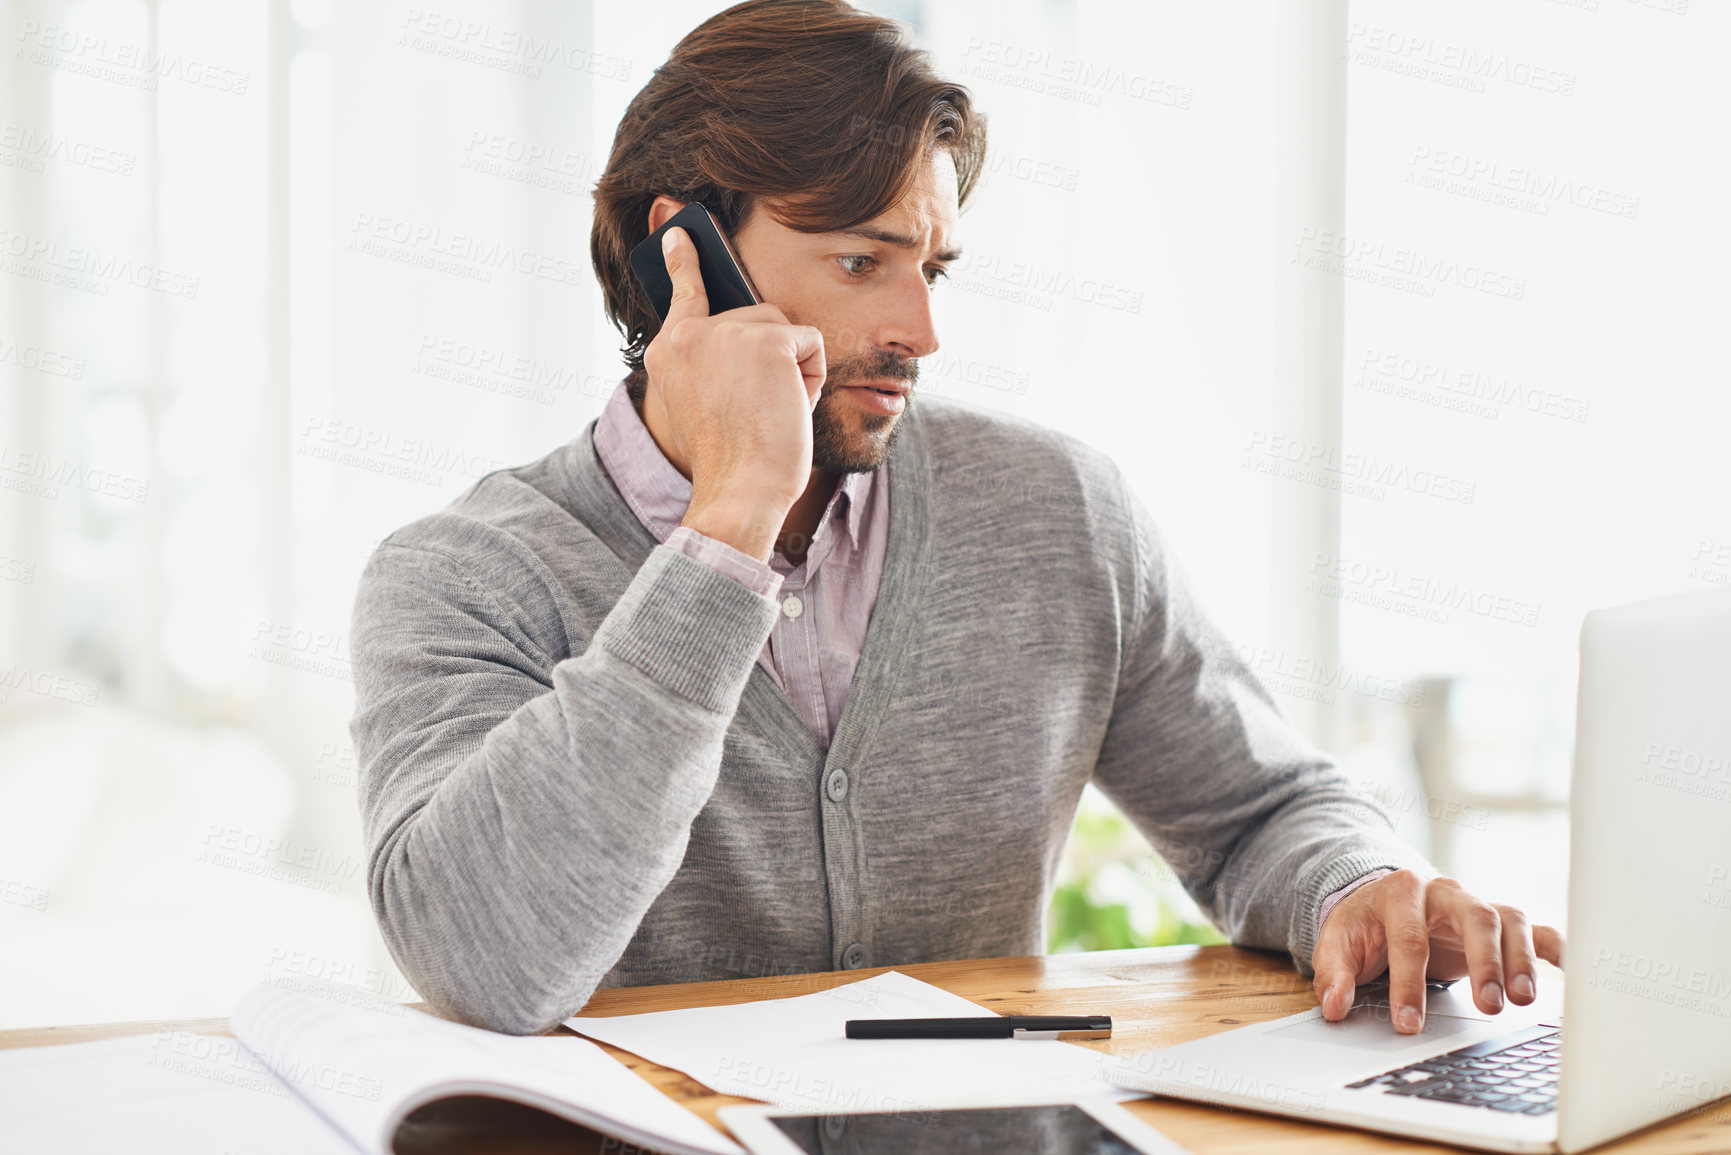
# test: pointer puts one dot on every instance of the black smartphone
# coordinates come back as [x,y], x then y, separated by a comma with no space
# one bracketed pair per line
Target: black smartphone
[724,278]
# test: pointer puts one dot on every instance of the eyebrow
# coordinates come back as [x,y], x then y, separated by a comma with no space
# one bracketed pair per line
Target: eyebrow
[884,236]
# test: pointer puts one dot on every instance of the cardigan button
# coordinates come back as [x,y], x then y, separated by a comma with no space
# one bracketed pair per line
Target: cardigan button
[854,957]
[836,784]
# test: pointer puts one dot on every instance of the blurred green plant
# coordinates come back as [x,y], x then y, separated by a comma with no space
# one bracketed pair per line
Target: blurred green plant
[1114,892]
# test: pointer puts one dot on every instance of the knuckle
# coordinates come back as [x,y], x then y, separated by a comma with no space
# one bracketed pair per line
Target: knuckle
[735,334]
[1410,939]
[1405,880]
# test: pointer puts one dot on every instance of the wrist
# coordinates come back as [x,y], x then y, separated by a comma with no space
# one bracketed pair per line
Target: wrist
[751,528]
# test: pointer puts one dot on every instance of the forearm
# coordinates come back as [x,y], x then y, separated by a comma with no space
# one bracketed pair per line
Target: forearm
[1259,828]
[1259,825]
[514,853]
[1272,889]
[511,893]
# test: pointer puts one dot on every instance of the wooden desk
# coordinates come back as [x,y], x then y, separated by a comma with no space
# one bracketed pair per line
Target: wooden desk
[1156,998]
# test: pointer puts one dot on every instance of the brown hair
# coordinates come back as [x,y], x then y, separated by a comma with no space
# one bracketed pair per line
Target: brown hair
[818,108]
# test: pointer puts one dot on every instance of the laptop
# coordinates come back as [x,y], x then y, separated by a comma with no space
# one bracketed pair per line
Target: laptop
[1647,948]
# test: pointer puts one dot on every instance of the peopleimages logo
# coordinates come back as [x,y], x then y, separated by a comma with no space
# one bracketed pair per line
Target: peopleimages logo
[1455,65]
[1351,472]
[21,679]
[1210,1082]
[122,62]
[283,860]
[1396,266]
[1461,389]
[1341,577]
[88,269]
[388,452]
[1712,561]
[1665,981]
[40,360]
[44,475]
[1705,774]
[24,147]
[1543,188]
[507,372]
[1312,679]
[506,49]
[462,254]
[1042,284]
[1040,70]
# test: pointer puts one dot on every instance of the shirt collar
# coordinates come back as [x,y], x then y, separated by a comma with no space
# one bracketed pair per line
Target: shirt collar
[659,494]
[656,492]
[856,490]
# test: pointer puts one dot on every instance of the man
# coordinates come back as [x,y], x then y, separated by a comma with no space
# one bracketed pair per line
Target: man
[775,668]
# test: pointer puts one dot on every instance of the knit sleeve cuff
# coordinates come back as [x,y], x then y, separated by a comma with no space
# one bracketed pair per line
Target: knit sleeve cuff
[690,628]
[1333,900]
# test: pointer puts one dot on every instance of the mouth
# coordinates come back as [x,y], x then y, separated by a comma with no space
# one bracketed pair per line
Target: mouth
[887,388]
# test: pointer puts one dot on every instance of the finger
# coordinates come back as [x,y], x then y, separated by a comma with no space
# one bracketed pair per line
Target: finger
[1520,976]
[764,313]
[689,297]
[808,351]
[1403,921]
[1336,969]
[1481,933]
[1549,943]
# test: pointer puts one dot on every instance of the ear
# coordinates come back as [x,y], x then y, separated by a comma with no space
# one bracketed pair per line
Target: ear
[662,211]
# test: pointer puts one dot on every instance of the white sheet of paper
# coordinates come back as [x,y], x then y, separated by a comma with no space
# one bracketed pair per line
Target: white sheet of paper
[794,1053]
[167,1093]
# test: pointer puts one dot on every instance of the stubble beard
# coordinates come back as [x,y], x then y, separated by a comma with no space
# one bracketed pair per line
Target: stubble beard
[838,449]
[863,448]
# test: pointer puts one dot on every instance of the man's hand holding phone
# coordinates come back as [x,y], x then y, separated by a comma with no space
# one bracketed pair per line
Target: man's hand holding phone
[733,394]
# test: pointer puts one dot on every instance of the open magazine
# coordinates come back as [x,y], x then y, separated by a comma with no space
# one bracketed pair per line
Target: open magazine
[320,1067]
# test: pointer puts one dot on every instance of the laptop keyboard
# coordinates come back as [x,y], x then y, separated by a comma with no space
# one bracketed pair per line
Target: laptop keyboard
[1516,1072]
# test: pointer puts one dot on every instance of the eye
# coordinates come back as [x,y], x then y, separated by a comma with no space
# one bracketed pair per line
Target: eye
[860,271]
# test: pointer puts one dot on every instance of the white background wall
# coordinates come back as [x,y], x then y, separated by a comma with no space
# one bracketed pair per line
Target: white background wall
[226,323]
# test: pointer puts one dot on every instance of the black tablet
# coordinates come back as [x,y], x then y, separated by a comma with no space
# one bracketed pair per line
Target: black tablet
[1079,1127]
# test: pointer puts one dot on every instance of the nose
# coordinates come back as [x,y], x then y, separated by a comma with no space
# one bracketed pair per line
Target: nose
[908,329]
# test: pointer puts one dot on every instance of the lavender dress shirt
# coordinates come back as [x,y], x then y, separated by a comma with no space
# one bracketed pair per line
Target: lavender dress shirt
[826,600]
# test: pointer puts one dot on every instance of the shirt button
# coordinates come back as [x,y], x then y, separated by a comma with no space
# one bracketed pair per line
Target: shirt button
[854,957]
[836,784]
[791,606]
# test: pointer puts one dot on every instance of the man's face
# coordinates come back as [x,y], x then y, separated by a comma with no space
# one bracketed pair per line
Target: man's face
[868,291]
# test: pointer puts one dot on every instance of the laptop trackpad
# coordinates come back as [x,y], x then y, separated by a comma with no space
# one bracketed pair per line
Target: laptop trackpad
[1367,1028]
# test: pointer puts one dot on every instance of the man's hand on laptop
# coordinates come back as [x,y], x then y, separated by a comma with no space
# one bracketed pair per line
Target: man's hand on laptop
[1418,930]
